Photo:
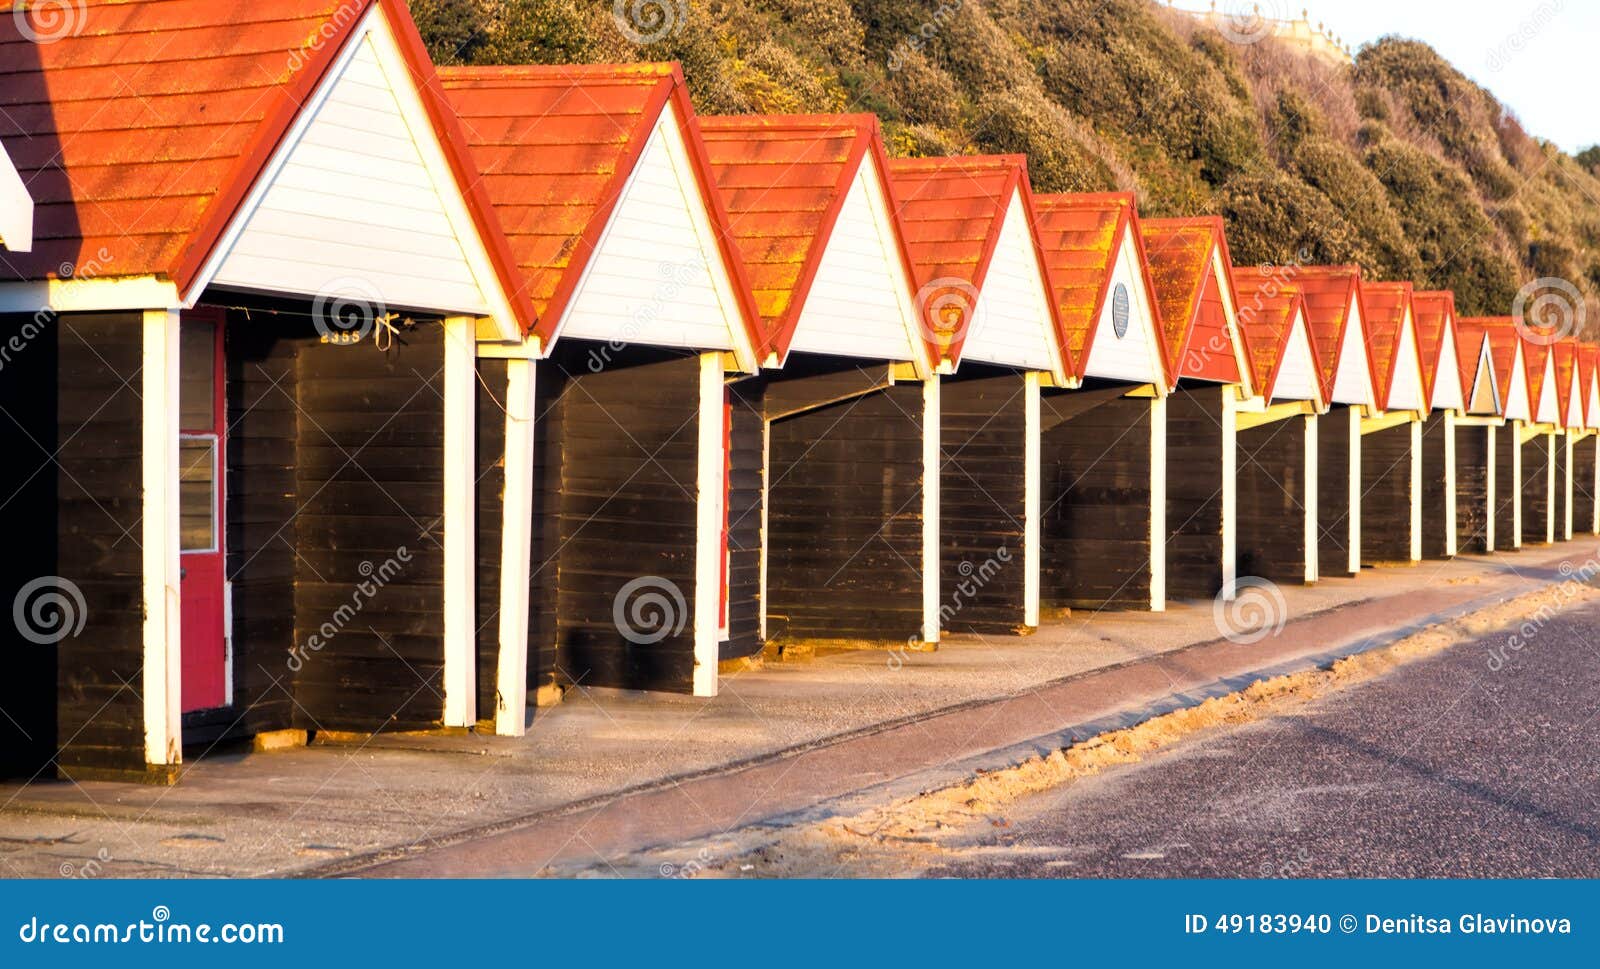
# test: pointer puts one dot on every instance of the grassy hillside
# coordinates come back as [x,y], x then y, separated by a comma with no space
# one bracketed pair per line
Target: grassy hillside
[1401,164]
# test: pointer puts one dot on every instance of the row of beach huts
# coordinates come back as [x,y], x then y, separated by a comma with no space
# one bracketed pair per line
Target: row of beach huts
[347,394]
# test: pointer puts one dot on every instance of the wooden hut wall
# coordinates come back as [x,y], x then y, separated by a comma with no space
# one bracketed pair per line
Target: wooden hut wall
[1096,497]
[549,434]
[983,501]
[1386,495]
[845,522]
[1272,494]
[1338,491]
[1439,459]
[1199,431]
[619,469]
[74,436]
[1565,489]
[1537,500]
[1585,517]
[490,451]
[746,490]
[369,473]
[1508,478]
[1472,487]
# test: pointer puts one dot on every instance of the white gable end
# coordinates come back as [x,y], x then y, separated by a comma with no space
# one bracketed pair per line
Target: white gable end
[1549,412]
[860,304]
[1447,380]
[1406,391]
[16,208]
[1517,405]
[1352,381]
[1297,373]
[1485,391]
[658,277]
[1012,324]
[1574,415]
[1593,415]
[1135,355]
[361,204]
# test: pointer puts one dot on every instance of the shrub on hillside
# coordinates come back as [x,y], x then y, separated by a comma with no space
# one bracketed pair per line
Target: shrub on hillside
[1277,219]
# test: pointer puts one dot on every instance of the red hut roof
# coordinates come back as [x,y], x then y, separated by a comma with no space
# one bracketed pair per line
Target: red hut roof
[140,135]
[784,180]
[557,145]
[1385,307]
[1501,332]
[1588,364]
[1566,356]
[1183,258]
[1434,312]
[952,211]
[1535,356]
[1081,236]
[1267,310]
[1329,292]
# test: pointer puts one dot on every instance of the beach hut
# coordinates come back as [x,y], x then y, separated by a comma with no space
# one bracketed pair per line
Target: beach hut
[16,208]
[1540,441]
[625,403]
[1391,440]
[1445,446]
[1278,476]
[1333,306]
[1586,453]
[1104,444]
[1192,276]
[241,369]
[1569,404]
[848,415]
[1509,385]
[1479,428]
[984,303]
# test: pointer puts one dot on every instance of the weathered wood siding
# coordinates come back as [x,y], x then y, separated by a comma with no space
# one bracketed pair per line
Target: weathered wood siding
[1194,491]
[1096,496]
[1334,495]
[625,502]
[370,476]
[1435,485]
[845,519]
[1506,488]
[490,451]
[1558,454]
[1536,497]
[983,502]
[1472,488]
[1386,495]
[1272,487]
[746,490]
[1583,487]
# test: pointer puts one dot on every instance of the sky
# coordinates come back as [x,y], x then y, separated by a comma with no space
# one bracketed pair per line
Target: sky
[1535,55]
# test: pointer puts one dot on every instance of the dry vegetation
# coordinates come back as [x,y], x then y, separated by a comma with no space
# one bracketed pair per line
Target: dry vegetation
[1401,164]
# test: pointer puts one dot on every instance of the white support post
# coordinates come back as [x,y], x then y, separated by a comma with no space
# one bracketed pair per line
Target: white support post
[1489,488]
[1594,491]
[1230,495]
[931,431]
[1416,490]
[162,684]
[1516,484]
[1450,484]
[1033,469]
[460,523]
[1158,504]
[1550,487]
[1566,483]
[1310,514]
[710,485]
[516,551]
[1354,490]
[766,512]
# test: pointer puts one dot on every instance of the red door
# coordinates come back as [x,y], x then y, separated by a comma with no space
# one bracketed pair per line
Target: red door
[201,439]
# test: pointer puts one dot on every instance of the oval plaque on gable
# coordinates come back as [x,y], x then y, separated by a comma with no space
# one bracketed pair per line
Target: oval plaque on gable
[1119,310]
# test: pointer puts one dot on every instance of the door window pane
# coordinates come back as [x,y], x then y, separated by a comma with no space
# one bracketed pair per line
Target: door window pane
[197,493]
[197,375]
